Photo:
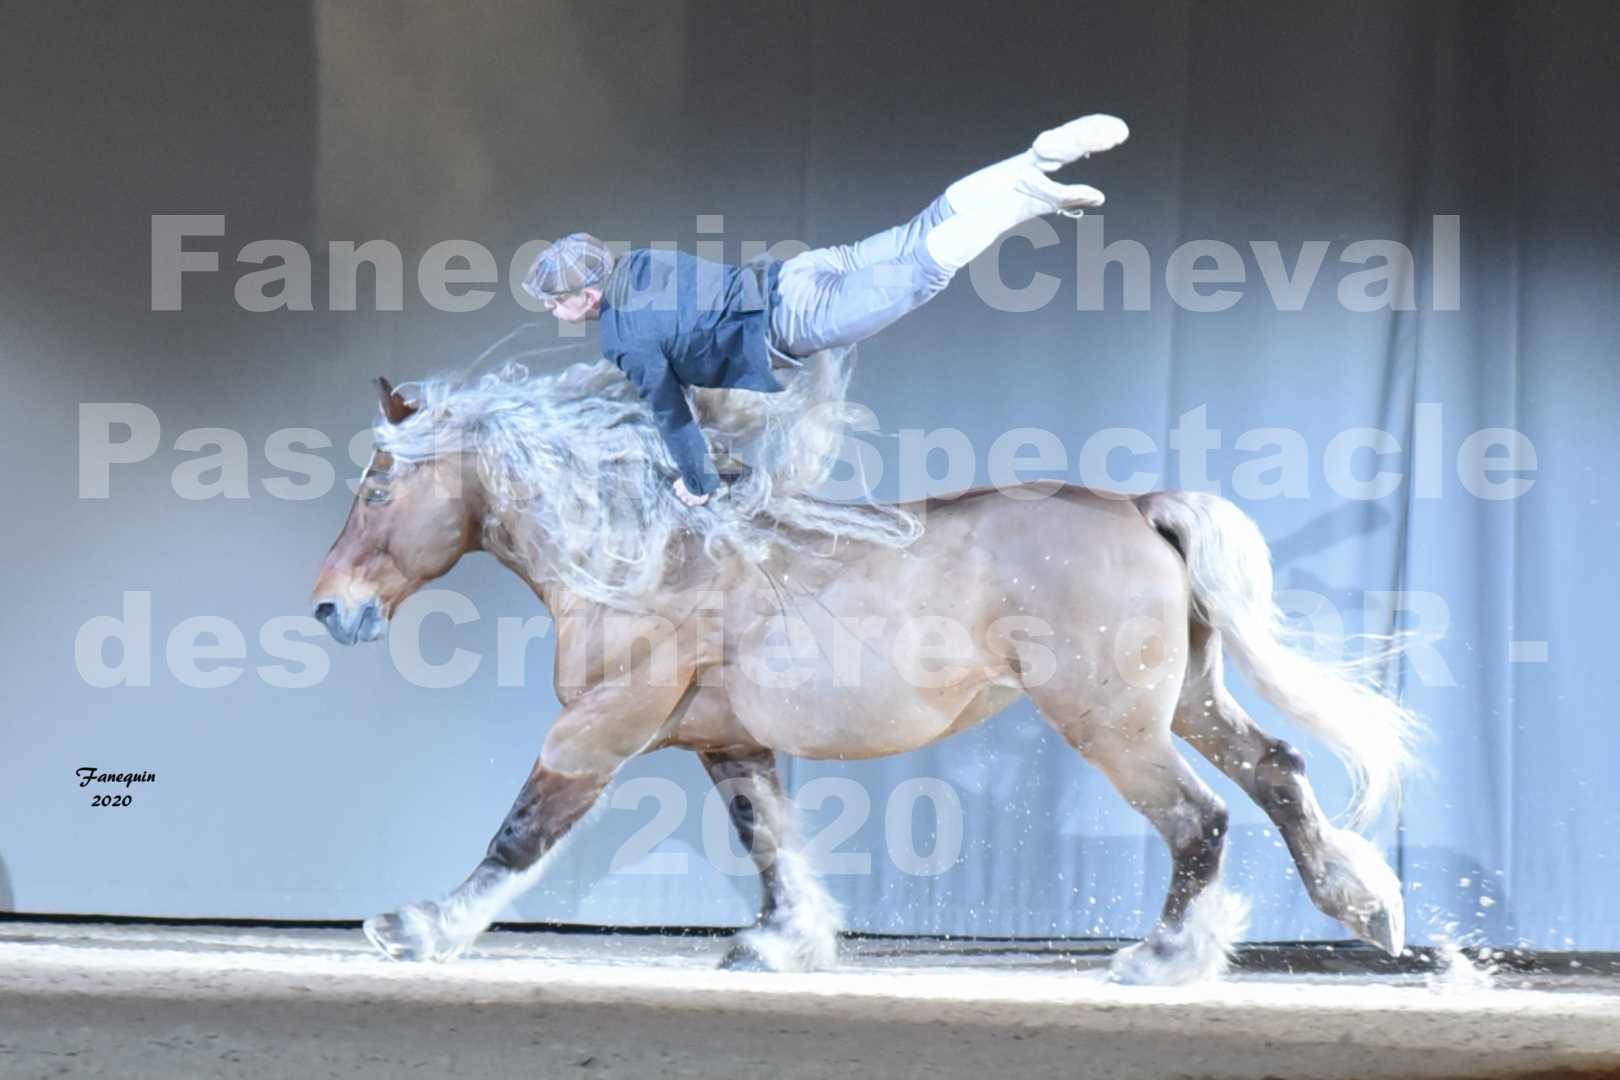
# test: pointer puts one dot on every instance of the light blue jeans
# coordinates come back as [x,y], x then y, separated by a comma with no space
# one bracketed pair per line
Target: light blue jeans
[838,296]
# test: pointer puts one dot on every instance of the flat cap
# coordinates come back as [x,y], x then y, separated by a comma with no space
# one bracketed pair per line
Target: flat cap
[577,261]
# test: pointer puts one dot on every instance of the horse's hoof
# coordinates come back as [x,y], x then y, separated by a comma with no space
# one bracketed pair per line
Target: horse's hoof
[387,933]
[1379,929]
[1200,948]
[409,934]
[1360,890]
[1147,963]
[767,948]
[742,957]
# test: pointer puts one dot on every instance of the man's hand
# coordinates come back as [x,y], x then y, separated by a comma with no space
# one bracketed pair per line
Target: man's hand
[686,496]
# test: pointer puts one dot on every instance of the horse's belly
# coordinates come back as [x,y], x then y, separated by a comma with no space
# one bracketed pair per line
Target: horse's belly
[818,708]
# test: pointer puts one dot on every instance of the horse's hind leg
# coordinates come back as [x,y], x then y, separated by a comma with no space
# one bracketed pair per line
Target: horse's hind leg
[1344,874]
[1133,748]
[798,921]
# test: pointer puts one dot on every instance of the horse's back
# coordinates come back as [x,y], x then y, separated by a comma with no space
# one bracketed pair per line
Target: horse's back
[1042,518]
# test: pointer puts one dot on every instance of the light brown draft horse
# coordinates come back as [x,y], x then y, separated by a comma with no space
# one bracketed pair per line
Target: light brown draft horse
[1110,612]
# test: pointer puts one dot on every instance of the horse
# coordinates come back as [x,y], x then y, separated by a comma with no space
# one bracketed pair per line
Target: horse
[1112,612]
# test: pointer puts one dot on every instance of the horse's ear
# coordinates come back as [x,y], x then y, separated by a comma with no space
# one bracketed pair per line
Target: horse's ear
[394,408]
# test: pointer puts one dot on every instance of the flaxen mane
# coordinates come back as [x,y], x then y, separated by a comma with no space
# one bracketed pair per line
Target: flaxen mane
[579,451]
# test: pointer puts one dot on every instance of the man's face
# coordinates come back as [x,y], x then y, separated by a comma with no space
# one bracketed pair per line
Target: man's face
[577,306]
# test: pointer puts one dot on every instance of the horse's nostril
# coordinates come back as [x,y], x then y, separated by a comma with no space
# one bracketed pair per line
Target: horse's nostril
[325,610]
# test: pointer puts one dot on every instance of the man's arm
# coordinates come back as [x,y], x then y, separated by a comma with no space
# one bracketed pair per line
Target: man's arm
[649,370]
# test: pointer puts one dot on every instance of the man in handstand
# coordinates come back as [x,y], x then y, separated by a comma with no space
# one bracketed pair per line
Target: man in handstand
[671,320]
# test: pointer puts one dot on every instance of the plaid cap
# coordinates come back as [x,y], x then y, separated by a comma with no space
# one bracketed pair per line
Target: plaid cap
[577,261]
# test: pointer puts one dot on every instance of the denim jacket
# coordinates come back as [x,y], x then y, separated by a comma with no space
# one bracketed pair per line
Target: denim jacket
[672,320]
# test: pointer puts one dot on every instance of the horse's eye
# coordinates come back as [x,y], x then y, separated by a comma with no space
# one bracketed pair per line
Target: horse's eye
[377,495]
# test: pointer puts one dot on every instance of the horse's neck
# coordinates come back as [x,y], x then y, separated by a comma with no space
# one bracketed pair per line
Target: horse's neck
[526,551]
[534,563]
[792,567]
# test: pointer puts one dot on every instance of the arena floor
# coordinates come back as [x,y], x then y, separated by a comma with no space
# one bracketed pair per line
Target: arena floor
[150,1002]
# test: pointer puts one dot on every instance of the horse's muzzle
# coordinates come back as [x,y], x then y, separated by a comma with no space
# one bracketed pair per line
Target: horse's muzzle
[351,625]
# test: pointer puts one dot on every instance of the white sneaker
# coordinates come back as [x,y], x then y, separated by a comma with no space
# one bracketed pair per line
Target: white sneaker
[1048,196]
[1056,147]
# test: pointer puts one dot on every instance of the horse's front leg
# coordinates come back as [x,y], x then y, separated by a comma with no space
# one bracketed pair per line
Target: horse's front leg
[798,921]
[594,736]
[548,804]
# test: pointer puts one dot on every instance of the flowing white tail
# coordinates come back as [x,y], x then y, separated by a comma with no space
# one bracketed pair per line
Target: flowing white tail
[1230,569]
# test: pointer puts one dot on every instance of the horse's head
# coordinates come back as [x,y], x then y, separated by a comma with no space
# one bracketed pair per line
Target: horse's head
[408,525]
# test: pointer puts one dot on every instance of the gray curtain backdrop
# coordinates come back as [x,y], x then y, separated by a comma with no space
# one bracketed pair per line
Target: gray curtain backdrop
[506,122]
